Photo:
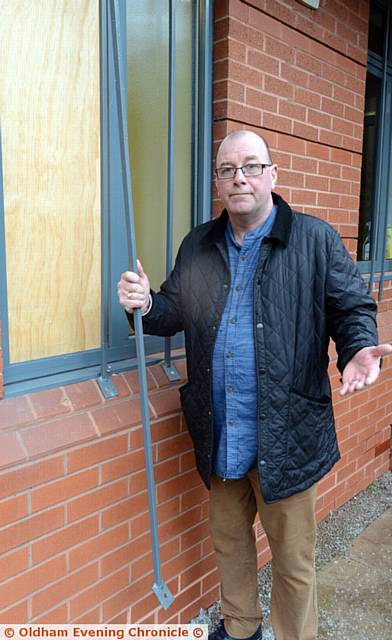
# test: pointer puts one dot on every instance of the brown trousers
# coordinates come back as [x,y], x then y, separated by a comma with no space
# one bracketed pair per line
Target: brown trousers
[291,531]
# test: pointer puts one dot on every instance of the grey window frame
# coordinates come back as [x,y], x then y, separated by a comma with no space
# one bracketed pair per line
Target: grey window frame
[43,373]
[378,268]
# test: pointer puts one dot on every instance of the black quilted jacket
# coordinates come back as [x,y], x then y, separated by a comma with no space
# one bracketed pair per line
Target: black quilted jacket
[306,290]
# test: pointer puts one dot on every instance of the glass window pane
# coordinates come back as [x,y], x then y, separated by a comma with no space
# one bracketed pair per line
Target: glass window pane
[49,105]
[388,244]
[372,105]
[147,69]
[377,24]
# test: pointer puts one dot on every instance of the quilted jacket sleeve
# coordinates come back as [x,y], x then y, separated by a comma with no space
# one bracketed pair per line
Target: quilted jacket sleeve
[351,310]
[165,317]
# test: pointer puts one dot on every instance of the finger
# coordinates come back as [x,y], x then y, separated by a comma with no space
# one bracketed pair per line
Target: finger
[140,269]
[130,276]
[344,389]
[382,350]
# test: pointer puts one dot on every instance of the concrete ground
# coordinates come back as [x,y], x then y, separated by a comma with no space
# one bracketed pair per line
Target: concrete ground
[355,591]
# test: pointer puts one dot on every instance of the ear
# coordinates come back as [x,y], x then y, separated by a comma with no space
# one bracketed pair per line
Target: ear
[274,175]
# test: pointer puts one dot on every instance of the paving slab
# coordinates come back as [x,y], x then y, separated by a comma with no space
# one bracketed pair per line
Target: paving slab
[355,591]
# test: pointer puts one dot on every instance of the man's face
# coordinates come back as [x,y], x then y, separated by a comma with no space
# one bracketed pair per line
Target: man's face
[246,197]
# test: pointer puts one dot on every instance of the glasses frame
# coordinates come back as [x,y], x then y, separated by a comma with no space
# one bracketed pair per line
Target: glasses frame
[235,169]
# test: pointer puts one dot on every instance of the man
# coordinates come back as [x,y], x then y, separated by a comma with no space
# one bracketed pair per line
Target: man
[259,292]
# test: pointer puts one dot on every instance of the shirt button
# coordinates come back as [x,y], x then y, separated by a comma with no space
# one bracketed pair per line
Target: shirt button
[238,287]
[208,370]
[243,257]
[231,422]
[262,463]
[261,371]
[230,389]
[225,286]
[213,327]
[232,320]
[229,354]
[263,416]
[259,325]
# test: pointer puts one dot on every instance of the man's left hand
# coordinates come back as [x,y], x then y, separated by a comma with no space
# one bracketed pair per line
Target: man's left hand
[363,369]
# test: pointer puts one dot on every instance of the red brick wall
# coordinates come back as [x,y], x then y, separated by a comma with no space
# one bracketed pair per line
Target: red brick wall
[297,76]
[74,522]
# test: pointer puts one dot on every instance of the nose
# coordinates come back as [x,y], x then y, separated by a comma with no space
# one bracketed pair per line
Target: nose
[239,175]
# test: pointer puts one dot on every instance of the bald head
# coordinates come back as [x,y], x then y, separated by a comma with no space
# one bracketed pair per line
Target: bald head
[249,135]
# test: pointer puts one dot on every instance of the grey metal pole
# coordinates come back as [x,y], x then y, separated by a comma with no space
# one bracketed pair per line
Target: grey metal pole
[167,365]
[159,587]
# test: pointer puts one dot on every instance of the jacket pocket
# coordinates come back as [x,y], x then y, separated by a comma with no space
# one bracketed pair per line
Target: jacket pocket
[310,421]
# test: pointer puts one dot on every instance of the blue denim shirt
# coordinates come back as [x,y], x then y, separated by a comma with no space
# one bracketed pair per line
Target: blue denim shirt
[234,383]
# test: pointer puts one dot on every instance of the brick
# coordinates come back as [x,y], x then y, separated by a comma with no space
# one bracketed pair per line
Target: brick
[92,453]
[99,592]
[67,537]
[124,510]
[165,402]
[261,100]
[25,477]
[165,428]
[97,500]
[278,87]
[11,450]
[143,607]
[167,510]
[266,63]
[172,487]
[294,75]
[117,416]
[237,111]
[196,534]
[63,589]
[193,497]
[173,446]
[383,446]
[30,581]
[127,597]
[132,380]
[31,528]
[50,403]
[319,119]
[197,571]
[15,615]
[13,563]
[57,615]
[13,509]
[15,412]
[308,98]
[83,395]
[182,600]
[166,469]
[61,490]
[58,434]
[179,524]
[123,465]
[292,110]
[277,122]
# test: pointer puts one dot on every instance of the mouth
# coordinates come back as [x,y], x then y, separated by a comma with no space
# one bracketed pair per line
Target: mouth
[242,193]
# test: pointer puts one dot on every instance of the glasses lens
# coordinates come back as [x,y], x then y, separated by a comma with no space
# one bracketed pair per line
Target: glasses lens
[252,169]
[225,172]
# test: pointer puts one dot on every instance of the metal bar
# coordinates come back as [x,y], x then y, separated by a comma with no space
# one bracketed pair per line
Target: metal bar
[167,366]
[105,381]
[159,587]
[384,239]
[379,177]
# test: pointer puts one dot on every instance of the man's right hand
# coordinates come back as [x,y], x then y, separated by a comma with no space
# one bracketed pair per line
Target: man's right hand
[134,289]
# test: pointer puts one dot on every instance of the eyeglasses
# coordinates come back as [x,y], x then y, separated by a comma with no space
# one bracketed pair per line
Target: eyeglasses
[248,170]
